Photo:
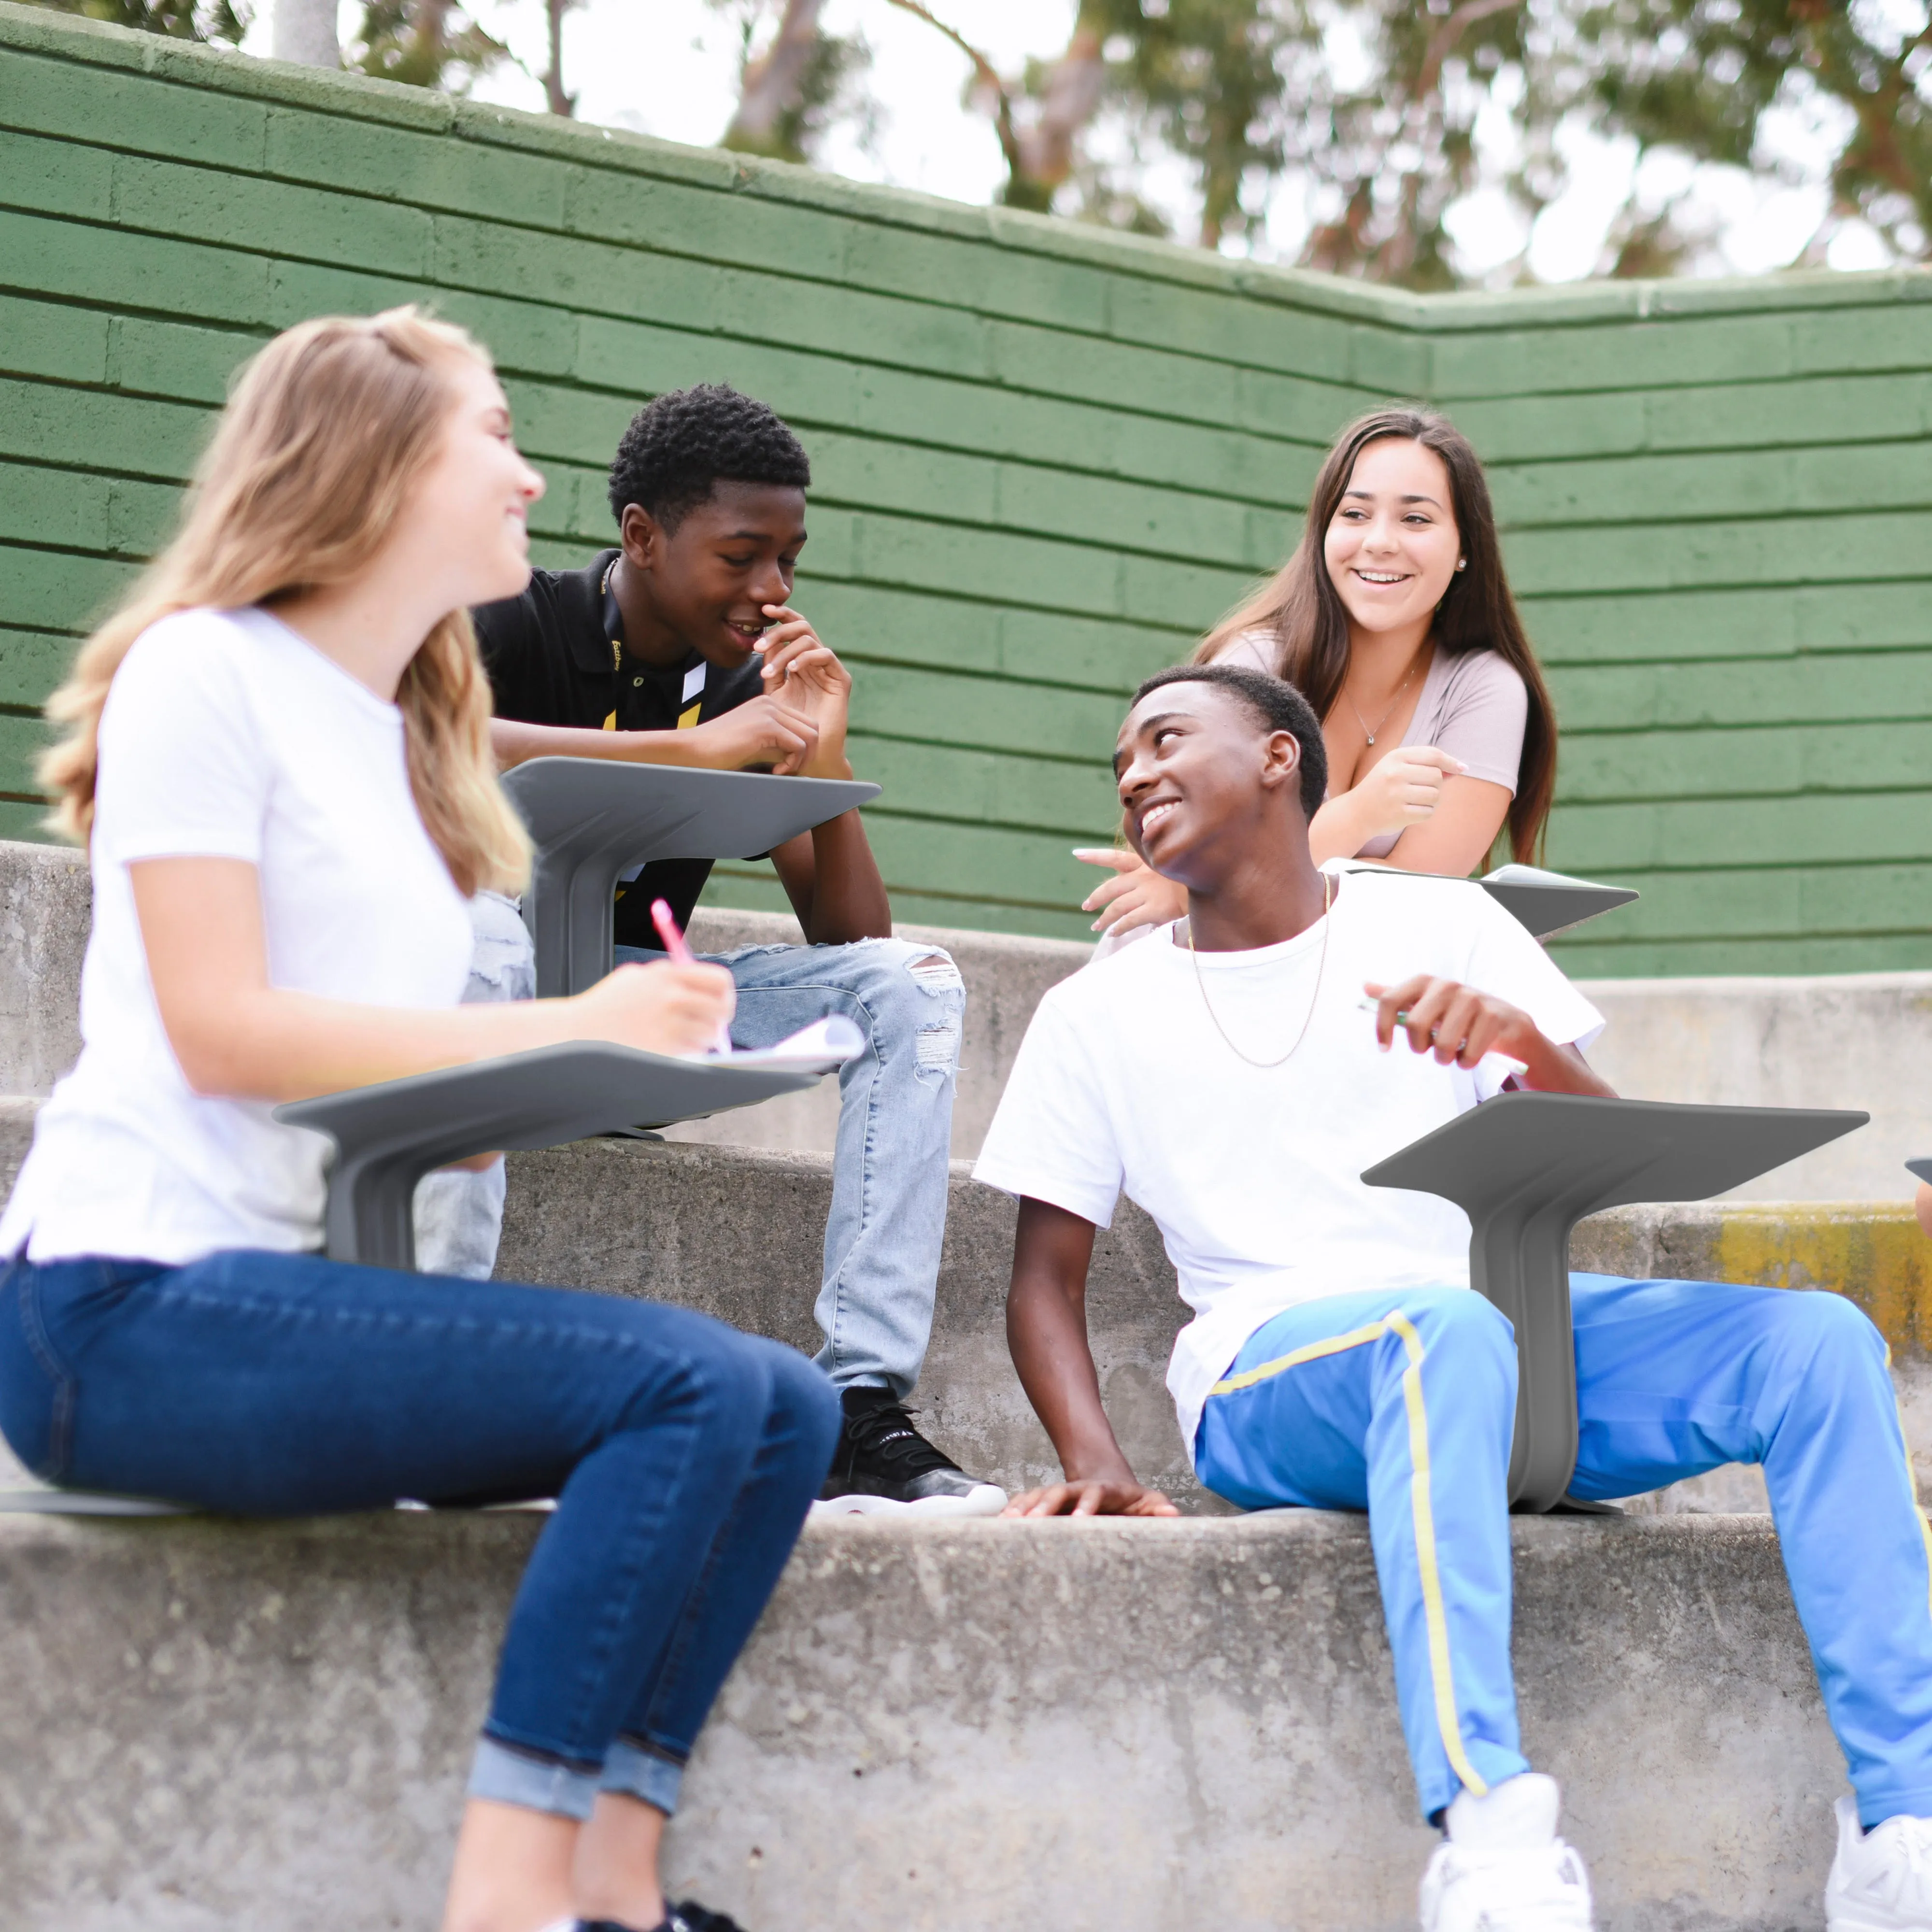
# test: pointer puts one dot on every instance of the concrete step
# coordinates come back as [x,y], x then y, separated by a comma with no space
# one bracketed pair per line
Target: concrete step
[694,1225]
[1104,1727]
[1858,1040]
[736,1232]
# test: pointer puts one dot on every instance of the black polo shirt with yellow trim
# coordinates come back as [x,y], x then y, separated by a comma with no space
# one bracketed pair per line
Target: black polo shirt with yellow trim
[555,656]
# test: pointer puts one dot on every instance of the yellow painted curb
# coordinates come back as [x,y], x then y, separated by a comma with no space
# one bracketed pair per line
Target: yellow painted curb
[1872,1252]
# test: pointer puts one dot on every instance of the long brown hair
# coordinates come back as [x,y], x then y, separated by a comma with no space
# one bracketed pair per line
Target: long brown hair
[1301,607]
[325,432]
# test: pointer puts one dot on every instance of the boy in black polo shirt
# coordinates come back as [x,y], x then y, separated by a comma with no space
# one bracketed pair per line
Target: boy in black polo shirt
[680,647]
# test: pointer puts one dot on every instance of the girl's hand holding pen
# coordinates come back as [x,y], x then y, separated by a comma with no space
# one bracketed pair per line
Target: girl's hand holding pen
[680,950]
[663,1008]
[680,1006]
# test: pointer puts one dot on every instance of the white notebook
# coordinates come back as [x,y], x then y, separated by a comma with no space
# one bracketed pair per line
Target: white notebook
[821,1047]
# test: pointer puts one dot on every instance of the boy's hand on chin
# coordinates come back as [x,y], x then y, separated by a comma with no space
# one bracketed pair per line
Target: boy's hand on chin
[812,682]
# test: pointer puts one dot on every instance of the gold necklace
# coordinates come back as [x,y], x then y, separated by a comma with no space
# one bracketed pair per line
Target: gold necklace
[1268,1066]
[1390,713]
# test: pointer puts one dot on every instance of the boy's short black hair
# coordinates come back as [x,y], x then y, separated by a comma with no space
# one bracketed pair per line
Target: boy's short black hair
[1279,706]
[680,446]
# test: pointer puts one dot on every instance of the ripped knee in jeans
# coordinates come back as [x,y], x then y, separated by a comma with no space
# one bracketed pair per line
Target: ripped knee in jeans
[936,1045]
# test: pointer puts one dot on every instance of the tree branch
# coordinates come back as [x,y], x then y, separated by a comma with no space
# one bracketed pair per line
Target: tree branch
[1442,42]
[989,77]
[560,103]
[772,82]
[1074,86]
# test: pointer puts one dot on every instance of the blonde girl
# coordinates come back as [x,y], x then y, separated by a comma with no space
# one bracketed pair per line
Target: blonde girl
[278,754]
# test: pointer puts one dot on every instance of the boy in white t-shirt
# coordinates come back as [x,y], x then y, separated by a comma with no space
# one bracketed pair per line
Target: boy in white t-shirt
[1224,1075]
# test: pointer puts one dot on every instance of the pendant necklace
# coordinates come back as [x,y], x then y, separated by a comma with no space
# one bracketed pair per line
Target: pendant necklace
[1390,713]
[1200,980]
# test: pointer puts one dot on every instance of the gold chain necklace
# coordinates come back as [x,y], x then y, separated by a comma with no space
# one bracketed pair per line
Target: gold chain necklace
[1200,980]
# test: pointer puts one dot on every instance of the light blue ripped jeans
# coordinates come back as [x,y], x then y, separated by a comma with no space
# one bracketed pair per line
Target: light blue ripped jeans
[459,1217]
[889,1172]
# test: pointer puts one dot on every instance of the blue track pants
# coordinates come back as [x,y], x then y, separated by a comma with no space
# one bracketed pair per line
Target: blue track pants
[1403,1403]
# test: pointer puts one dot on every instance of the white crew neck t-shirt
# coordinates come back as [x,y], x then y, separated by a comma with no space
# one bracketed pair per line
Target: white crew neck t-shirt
[225,735]
[1124,1083]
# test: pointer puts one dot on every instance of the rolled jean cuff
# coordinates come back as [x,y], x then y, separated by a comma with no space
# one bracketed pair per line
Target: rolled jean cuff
[509,1777]
[638,1772]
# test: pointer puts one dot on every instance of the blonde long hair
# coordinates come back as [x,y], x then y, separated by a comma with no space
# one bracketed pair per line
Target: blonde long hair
[326,431]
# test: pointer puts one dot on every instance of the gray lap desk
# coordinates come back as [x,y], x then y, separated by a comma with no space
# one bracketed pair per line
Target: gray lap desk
[1526,1168]
[1549,903]
[388,1137]
[592,818]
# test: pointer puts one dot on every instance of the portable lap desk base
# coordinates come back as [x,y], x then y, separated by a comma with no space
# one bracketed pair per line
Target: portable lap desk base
[388,1137]
[1526,1168]
[591,818]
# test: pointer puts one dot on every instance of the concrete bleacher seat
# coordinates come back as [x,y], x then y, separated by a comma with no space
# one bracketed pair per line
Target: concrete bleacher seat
[1126,1727]
[1861,1039]
[942,1727]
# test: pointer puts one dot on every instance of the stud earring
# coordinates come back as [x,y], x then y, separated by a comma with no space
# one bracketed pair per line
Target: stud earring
[1462,563]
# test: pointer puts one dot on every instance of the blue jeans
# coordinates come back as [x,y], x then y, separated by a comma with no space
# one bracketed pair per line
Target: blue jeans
[1403,1403]
[683,1456]
[890,1171]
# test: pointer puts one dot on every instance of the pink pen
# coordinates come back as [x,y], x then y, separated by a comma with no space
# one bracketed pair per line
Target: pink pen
[677,947]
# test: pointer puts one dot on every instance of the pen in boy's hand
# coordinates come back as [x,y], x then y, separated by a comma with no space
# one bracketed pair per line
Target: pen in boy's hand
[679,948]
[1367,1006]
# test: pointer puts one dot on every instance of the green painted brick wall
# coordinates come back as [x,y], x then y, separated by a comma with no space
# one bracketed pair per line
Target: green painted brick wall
[1046,456]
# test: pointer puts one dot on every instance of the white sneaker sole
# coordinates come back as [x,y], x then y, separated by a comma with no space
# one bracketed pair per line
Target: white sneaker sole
[982,1499]
[1838,1919]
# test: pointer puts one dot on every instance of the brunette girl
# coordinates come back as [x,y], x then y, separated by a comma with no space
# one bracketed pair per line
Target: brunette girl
[277,753]
[1394,618]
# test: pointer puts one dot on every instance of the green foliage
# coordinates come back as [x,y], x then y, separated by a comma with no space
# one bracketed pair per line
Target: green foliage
[1244,91]
[1702,75]
[179,20]
[1211,79]
[1391,156]
[424,43]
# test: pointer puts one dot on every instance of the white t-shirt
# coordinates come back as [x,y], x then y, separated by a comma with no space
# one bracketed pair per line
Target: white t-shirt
[225,735]
[1252,1174]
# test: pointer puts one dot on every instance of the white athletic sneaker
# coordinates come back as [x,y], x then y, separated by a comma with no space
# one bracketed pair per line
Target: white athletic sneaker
[1881,1880]
[1503,1868]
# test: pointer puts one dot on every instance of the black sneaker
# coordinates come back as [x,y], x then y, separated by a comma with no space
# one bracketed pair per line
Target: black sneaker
[692,1917]
[689,1917]
[883,1464]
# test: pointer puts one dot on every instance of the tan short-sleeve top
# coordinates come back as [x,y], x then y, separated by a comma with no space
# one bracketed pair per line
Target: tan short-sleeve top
[1473,705]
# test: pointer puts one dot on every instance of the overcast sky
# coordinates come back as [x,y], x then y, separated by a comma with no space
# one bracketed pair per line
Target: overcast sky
[669,67]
